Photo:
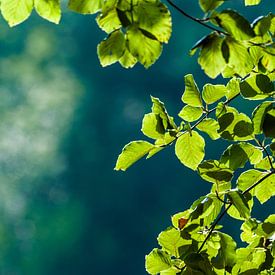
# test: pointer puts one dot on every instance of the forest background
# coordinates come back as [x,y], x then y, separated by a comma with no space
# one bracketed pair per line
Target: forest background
[63,122]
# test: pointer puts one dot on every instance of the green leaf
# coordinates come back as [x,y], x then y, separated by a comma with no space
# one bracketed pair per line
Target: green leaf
[234,24]
[157,261]
[190,149]
[237,58]
[144,48]
[212,93]
[233,88]
[16,11]
[252,2]
[259,115]
[48,9]
[269,124]
[154,17]
[239,201]
[191,95]
[189,113]
[272,147]
[210,126]
[211,58]
[264,164]
[170,240]
[158,108]
[85,6]
[127,60]
[111,49]
[262,25]
[215,172]
[227,254]
[152,126]
[131,153]
[109,21]
[208,5]
[264,190]
[235,126]
[256,87]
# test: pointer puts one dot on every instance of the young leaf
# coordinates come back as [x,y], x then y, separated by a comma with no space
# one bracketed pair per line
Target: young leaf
[211,58]
[237,58]
[233,88]
[131,153]
[16,11]
[208,5]
[239,201]
[170,240]
[146,49]
[191,95]
[152,126]
[235,24]
[157,261]
[154,17]
[252,2]
[85,6]
[189,113]
[258,86]
[109,21]
[215,172]
[212,93]
[190,149]
[259,115]
[210,126]
[111,49]
[48,9]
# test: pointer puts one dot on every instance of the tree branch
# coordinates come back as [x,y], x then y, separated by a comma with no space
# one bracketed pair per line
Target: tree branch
[197,20]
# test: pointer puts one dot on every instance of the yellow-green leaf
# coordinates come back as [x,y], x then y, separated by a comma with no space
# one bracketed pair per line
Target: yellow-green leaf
[48,9]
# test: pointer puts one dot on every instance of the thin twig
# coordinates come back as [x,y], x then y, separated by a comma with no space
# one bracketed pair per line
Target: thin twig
[266,152]
[229,205]
[199,21]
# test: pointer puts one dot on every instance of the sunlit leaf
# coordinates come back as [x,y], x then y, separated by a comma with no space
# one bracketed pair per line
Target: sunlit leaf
[235,24]
[16,11]
[144,48]
[189,113]
[256,87]
[85,6]
[252,2]
[48,9]
[190,149]
[208,5]
[212,93]
[239,201]
[269,123]
[131,153]
[214,171]
[157,261]
[109,21]
[210,126]
[191,95]
[111,49]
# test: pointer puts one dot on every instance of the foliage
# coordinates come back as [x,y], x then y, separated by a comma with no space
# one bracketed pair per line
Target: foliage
[236,49]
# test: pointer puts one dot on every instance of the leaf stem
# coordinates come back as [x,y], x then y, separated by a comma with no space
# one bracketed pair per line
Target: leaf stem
[199,21]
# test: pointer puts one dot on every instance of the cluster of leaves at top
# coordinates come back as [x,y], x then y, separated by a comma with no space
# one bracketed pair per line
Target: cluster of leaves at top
[236,49]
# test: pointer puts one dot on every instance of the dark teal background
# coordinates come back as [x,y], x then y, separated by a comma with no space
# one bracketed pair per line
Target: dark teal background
[63,122]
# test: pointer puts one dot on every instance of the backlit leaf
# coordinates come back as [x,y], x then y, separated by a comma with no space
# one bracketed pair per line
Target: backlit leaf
[48,9]
[190,149]
[111,49]
[210,126]
[252,2]
[145,49]
[212,93]
[152,126]
[191,95]
[157,261]
[239,201]
[189,113]
[208,5]
[16,11]
[131,153]
[85,6]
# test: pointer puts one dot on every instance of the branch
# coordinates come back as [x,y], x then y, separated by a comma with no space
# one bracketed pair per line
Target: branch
[266,152]
[228,207]
[199,21]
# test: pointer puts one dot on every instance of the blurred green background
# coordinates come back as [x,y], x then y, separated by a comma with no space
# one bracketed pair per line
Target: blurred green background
[64,120]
